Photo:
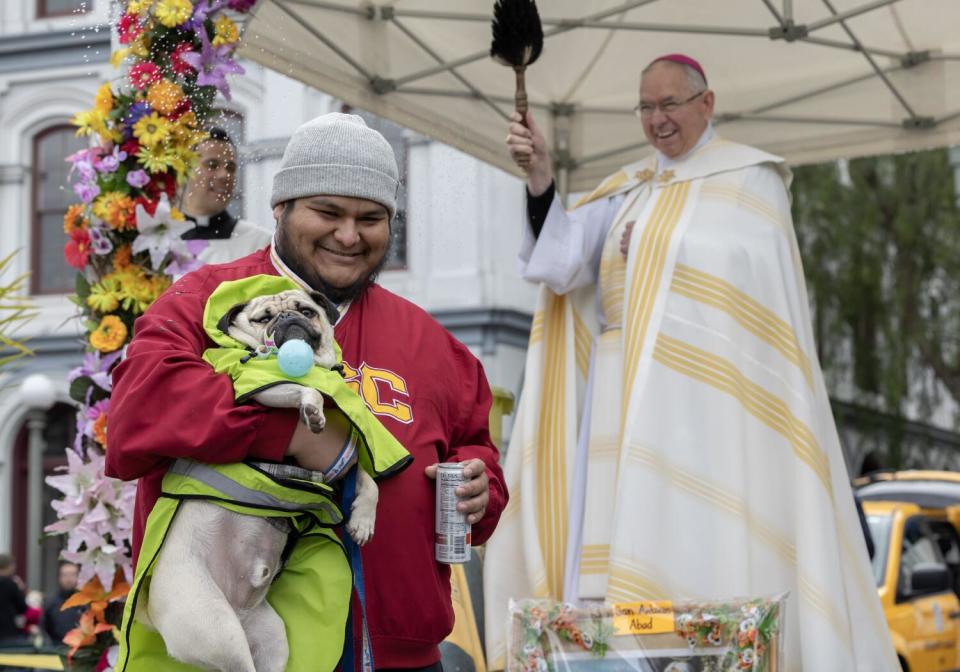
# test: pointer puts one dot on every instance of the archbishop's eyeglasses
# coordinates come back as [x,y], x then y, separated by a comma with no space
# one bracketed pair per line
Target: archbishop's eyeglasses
[645,110]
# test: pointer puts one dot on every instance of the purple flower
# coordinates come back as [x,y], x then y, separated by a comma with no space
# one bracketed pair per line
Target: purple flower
[184,263]
[96,367]
[112,161]
[87,191]
[99,240]
[212,64]
[138,178]
[204,8]
[136,112]
[241,5]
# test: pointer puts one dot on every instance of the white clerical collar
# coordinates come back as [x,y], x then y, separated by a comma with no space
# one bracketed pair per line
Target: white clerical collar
[288,273]
[664,162]
[202,220]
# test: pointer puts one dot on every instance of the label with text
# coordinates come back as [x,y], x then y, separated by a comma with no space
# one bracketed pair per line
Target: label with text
[643,618]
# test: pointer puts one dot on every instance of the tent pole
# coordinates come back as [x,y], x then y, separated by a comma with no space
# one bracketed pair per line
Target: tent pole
[562,161]
[562,177]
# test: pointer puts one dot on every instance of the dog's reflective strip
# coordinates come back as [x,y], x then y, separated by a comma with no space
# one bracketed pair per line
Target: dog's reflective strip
[242,494]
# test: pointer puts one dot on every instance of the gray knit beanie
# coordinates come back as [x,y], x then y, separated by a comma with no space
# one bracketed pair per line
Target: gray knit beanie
[338,155]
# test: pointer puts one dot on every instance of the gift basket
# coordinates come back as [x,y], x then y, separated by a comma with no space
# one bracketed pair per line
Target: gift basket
[659,636]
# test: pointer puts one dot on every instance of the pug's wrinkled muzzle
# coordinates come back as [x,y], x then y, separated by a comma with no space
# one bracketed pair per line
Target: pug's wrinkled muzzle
[291,326]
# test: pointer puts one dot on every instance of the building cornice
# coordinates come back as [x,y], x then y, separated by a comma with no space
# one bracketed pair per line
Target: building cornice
[61,48]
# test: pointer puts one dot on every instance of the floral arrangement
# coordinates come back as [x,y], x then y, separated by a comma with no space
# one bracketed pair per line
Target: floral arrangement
[124,238]
[721,636]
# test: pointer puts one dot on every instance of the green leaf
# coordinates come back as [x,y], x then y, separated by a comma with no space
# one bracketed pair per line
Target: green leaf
[82,286]
[79,387]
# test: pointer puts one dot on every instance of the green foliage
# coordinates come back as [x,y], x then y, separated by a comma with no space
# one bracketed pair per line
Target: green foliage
[15,311]
[880,240]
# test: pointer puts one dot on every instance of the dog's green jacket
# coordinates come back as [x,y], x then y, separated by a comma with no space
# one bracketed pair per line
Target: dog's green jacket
[312,592]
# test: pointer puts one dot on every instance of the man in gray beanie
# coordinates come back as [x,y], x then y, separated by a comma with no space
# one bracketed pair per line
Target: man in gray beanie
[333,200]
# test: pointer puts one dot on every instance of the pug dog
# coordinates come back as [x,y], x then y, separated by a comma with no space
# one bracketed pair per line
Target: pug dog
[272,321]
[216,566]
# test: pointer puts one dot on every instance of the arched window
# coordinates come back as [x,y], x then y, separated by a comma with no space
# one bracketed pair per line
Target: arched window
[48,8]
[50,273]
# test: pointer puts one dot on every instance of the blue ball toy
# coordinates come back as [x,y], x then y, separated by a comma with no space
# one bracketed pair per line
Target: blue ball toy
[295,358]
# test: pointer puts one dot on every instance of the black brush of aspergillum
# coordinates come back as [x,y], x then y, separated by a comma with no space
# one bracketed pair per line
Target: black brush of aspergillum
[517,41]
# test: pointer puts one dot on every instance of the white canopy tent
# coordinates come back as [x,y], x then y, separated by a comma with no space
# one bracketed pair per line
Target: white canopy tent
[810,80]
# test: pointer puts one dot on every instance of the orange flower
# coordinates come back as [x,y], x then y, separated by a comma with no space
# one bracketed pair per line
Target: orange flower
[74,218]
[121,214]
[100,430]
[121,258]
[164,96]
[110,335]
[94,595]
[85,633]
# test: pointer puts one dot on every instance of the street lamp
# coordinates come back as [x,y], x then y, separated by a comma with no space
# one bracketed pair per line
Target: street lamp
[39,395]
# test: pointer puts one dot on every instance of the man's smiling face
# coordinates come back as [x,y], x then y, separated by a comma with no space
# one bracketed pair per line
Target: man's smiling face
[336,243]
[677,132]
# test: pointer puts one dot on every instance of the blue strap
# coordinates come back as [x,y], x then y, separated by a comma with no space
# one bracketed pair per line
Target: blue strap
[356,566]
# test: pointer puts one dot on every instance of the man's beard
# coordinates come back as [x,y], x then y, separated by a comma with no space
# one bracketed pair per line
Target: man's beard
[298,263]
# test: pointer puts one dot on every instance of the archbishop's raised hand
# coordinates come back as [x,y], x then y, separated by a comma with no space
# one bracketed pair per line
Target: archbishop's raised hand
[528,149]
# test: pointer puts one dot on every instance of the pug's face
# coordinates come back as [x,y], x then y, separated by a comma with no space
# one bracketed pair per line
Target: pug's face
[282,317]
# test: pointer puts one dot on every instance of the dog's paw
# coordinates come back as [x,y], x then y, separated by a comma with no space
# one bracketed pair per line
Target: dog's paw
[313,417]
[360,526]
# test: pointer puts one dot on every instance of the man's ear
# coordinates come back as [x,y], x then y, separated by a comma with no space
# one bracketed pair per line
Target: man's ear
[331,310]
[228,318]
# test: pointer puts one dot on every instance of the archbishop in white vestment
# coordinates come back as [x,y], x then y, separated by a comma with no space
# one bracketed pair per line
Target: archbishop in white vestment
[674,439]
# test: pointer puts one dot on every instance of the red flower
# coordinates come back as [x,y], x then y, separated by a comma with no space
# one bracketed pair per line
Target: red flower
[143,75]
[161,183]
[77,249]
[178,65]
[129,28]
[131,147]
[181,109]
[148,204]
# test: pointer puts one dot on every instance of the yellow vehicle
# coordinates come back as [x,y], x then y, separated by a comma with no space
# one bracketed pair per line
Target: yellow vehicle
[915,587]
[937,493]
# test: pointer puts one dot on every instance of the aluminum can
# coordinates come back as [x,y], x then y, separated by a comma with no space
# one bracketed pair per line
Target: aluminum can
[452,544]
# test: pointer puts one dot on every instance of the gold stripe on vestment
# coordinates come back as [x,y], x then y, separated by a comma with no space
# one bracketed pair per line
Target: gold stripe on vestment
[748,313]
[552,478]
[768,408]
[716,497]
[647,272]
[536,328]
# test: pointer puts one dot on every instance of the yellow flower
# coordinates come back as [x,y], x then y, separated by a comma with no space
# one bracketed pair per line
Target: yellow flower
[103,102]
[117,57]
[121,214]
[164,96]
[74,218]
[156,159]
[91,121]
[137,6]
[103,296]
[224,31]
[141,46]
[115,209]
[172,13]
[160,284]
[151,130]
[110,335]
